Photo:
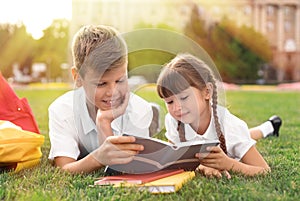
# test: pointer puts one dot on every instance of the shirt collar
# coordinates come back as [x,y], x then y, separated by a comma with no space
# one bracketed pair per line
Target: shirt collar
[209,134]
[83,117]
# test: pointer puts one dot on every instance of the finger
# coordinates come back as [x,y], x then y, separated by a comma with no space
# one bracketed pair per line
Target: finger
[212,174]
[126,99]
[122,107]
[226,173]
[132,147]
[209,163]
[217,174]
[120,139]
[207,155]
[124,154]
[123,160]
[213,149]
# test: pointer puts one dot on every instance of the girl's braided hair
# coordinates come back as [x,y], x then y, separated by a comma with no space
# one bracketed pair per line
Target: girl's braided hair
[183,71]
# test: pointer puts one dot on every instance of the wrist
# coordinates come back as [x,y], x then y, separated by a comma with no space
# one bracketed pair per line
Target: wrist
[95,160]
[102,119]
[230,165]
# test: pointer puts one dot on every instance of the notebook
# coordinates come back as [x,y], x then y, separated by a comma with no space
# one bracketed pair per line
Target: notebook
[168,184]
[136,178]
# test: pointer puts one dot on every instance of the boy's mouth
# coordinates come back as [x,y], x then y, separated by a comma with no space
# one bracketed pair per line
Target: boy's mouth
[111,103]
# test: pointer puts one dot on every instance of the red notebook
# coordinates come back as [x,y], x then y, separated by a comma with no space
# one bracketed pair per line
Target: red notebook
[137,178]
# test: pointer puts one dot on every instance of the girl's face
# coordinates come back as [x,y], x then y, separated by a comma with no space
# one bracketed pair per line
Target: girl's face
[107,91]
[189,106]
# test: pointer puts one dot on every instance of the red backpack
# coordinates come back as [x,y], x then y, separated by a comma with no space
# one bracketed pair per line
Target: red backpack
[14,109]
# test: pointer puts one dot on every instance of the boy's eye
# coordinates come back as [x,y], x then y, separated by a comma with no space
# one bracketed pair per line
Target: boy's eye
[100,84]
[120,81]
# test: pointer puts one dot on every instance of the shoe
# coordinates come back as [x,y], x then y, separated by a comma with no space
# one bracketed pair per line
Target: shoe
[276,122]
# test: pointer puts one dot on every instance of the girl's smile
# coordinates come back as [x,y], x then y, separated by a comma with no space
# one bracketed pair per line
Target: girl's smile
[191,106]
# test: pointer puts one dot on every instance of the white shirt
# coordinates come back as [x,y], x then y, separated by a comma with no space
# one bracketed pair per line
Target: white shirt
[73,133]
[235,130]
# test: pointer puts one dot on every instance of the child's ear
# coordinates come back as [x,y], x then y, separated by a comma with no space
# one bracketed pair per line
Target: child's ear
[76,77]
[209,91]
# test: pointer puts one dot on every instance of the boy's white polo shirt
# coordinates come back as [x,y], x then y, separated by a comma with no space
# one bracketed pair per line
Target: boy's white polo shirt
[235,130]
[73,133]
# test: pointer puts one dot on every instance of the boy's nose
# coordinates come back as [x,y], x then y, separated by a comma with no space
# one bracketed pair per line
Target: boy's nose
[110,90]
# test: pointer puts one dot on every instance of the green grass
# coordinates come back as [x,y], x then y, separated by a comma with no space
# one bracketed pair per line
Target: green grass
[45,182]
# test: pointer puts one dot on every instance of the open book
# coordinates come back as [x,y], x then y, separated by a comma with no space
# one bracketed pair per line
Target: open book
[159,155]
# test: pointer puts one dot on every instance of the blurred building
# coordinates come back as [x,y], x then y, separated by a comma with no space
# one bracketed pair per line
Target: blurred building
[125,15]
[279,20]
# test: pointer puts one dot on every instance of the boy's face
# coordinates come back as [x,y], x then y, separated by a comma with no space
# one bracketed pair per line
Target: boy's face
[107,91]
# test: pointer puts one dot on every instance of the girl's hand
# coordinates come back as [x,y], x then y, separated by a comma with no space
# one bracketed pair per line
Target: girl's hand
[216,159]
[211,172]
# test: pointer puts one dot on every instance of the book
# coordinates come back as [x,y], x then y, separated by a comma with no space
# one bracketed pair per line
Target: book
[136,178]
[160,155]
[168,184]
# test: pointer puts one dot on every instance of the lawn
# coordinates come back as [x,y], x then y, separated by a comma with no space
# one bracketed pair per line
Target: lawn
[45,182]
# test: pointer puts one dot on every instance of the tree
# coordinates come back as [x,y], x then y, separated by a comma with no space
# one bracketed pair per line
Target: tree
[148,62]
[232,48]
[53,47]
[17,46]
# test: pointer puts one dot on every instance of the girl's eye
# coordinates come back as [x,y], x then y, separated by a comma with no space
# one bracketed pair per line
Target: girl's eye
[183,98]
[169,102]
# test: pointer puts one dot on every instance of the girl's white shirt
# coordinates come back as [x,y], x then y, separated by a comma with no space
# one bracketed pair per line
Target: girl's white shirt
[235,130]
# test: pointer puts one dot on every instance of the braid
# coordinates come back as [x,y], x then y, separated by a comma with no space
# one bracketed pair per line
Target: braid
[185,71]
[180,129]
[217,124]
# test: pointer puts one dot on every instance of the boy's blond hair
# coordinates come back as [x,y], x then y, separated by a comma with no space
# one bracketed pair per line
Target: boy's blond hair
[99,48]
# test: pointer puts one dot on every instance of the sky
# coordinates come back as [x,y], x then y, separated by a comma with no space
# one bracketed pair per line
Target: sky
[35,14]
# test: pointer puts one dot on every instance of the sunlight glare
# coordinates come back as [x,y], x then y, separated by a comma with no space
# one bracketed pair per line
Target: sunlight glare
[36,15]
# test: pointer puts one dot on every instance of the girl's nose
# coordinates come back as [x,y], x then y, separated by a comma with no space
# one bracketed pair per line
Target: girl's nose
[177,106]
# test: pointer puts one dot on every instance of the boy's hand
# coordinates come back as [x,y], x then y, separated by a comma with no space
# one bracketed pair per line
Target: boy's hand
[104,119]
[113,113]
[117,150]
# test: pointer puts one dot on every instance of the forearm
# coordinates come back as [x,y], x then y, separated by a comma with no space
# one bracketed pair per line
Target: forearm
[104,130]
[85,165]
[246,169]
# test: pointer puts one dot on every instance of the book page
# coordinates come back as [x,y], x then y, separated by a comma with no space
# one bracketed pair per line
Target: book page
[158,155]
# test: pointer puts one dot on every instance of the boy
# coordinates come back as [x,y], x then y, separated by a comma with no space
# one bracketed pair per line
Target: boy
[86,124]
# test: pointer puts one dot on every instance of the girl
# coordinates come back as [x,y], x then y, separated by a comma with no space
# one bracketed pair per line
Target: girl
[188,88]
